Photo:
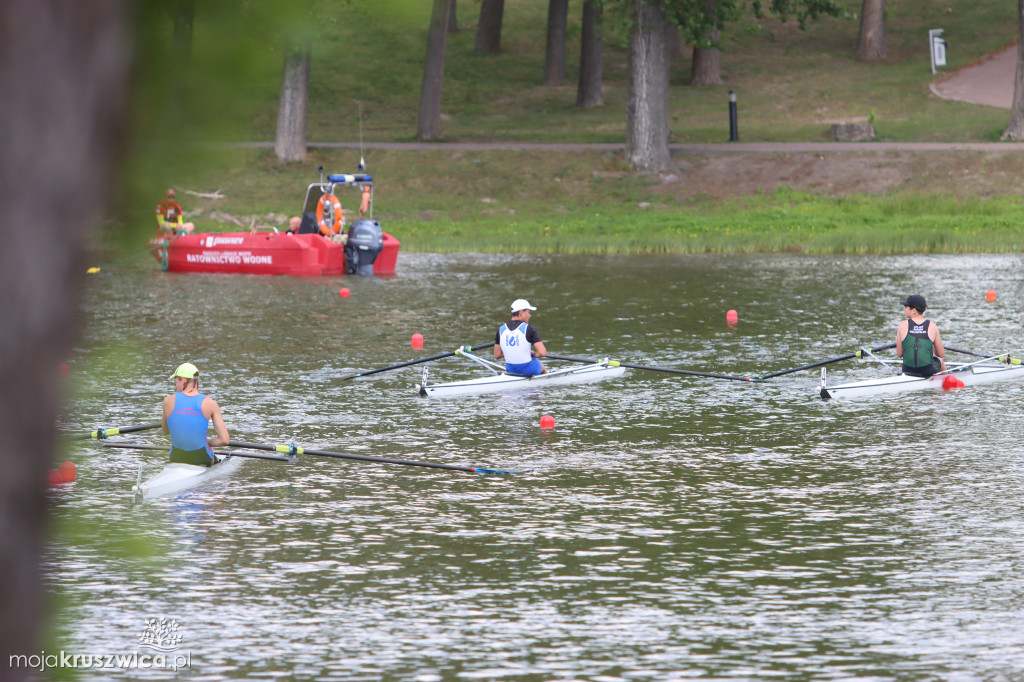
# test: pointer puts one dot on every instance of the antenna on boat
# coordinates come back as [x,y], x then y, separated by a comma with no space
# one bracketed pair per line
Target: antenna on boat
[362,162]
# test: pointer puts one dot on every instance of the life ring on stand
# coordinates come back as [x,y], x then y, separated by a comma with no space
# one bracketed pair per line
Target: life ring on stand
[328,215]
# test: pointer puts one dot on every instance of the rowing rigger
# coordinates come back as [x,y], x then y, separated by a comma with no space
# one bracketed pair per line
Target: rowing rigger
[996,368]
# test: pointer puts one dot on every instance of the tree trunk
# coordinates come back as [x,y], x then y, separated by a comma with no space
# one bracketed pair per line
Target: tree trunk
[1015,127]
[290,143]
[429,127]
[453,20]
[488,29]
[871,42]
[554,49]
[64,67]
[184,15]
[588,92]
[647,110]
[706,68]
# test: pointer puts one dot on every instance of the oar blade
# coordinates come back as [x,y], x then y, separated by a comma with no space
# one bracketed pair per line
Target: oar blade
[500,472]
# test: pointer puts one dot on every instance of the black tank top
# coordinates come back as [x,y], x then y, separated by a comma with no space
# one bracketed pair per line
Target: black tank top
[917,349]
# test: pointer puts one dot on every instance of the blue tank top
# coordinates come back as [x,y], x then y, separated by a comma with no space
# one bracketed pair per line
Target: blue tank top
[187,424]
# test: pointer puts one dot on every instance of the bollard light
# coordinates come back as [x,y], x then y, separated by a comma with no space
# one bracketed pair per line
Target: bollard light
[734,133]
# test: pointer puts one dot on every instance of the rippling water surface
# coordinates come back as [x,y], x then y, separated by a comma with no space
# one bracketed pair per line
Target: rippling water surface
[672,527]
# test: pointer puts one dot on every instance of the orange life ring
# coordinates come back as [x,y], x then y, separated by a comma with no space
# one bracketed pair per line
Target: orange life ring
[328,215]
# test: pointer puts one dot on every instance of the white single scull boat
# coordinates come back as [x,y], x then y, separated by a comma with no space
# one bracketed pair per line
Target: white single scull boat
[177,476]
[987,371]
[501,381]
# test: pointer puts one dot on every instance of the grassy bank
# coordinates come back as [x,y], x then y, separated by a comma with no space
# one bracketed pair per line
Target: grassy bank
[590,202]
[792,85]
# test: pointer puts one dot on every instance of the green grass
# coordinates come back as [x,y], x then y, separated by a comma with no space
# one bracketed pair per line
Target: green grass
[791,85]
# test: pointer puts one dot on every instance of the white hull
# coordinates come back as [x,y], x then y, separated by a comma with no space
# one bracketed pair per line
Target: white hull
[506,382]
[971,375]
[176,477]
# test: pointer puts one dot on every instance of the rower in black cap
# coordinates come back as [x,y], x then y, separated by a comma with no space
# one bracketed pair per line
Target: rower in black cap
[918,341]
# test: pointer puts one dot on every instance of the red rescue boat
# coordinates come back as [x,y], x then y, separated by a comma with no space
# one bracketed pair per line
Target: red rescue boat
[364,249]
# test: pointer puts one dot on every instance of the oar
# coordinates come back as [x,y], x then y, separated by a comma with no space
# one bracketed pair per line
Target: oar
[293,450]
[94,270]
[858,354]
[670,370]
[468,349]
[966,352]
[100,434]
[249,455]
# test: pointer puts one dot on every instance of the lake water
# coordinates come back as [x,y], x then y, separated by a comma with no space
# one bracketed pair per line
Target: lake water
[671,528]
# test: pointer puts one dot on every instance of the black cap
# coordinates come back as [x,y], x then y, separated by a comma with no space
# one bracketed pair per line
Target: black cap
[916,301]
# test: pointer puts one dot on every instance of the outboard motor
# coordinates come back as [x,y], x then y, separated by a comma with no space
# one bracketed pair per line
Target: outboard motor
[365,242]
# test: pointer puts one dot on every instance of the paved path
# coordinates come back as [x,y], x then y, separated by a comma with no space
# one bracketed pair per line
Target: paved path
[988,80]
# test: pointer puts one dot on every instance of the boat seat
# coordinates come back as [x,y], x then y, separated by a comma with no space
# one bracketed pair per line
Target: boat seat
[308,225]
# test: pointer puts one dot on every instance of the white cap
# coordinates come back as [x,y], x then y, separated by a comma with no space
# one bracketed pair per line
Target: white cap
[521,304]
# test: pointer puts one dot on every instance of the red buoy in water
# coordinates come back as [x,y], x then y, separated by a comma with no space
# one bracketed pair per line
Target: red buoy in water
[990,295]
[417,341]
[547,422]
[68,471]
[951,382]
[63,370]
[344,293]
[54,478]
[732,317]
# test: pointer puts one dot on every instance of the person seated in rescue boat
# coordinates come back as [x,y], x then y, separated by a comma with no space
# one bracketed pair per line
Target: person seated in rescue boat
[170,218]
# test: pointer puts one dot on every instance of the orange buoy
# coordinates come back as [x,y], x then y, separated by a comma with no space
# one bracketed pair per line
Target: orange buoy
[344,293]
[417,341]
[990,295]
[54,478]
[68,471]
[547,422]
[732,317]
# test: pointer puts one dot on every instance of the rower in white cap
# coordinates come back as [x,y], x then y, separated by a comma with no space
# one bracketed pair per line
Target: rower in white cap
[519,342]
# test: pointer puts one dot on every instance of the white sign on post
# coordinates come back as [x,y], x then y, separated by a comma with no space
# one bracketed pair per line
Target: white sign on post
[937,47]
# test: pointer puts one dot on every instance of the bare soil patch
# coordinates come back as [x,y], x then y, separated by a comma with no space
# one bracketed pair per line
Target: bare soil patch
[964,174]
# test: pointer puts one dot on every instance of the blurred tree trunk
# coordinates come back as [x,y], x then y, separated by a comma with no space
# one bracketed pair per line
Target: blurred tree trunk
[647,109]
[554,49]
[871,42]
[429,127]
[184,15]
[488,29]
[290,143]
[588,92]
[706,67]
[1015,127]
[64,72]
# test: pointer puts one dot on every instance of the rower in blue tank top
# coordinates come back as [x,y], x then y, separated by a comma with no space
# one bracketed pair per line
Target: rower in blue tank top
[918,341]
[519,342]
[187,417]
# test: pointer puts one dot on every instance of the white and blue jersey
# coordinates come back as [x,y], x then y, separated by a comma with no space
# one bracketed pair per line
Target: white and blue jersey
[516,339]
